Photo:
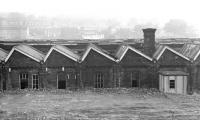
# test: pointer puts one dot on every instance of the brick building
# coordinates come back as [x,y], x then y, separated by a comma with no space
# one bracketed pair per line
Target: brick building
[65,64]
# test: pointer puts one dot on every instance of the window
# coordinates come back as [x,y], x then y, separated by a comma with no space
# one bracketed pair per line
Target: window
[23,80]
[172,84]
[35,81]
[135,77]
[99,80]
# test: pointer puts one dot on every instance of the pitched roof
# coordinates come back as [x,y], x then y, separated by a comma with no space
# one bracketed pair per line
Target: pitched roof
[124,48]
[27,51]
[3,54]
[63,50]
[191,51]
[161,49]
[97,49]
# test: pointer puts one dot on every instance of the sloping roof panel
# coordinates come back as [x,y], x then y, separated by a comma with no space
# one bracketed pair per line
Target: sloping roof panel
[28,51]
[124,48]
[63,50]
[67,51]
[121,51]
[190,50]
[97,49]
[3,54]
[161,49]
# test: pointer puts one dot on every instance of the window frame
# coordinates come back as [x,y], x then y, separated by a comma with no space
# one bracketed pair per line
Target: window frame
[172,84]
[35,80]
[99,80]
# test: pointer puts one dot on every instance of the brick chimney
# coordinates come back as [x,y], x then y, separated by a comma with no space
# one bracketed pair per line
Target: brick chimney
[149,41]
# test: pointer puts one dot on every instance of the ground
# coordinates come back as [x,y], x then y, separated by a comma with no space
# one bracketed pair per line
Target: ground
[95,104]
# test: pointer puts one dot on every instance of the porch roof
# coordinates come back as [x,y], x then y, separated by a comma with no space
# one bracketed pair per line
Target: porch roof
[173,73]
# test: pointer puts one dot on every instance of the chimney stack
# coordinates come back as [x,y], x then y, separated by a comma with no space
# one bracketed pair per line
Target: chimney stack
[149,41]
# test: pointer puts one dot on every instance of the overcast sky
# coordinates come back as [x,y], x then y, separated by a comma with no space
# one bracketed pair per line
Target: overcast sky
[158,11]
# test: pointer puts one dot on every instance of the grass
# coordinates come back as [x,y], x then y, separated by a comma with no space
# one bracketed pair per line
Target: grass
[98,104]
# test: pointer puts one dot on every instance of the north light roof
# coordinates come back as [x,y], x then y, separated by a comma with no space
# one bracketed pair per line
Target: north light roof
[161,49]
[27,51]
[124,48]
[63,50]
[98,50]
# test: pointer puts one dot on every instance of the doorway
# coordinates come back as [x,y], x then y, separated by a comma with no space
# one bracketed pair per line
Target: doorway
[135,79]
[62,80]
[23,80]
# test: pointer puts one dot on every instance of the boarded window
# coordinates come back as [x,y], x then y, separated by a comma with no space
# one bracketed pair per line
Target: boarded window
[135,79]
[23,80]
[171,84]
[35,81]
[99,80]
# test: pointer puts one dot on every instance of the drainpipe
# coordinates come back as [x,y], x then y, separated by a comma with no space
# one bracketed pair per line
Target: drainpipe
[76,76]
[2,77]
[156,67]
[41,74]
[80,74]
[191,80]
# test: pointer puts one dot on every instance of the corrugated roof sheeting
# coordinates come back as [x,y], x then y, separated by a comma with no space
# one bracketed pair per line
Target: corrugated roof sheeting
[31,51]
[67,51]
[190,50]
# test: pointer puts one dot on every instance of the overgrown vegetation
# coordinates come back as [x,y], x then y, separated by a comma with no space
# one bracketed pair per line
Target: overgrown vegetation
[98,104]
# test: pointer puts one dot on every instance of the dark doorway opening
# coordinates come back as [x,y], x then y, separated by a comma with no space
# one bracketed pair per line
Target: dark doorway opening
[135,79]
[62,80]
[23,80]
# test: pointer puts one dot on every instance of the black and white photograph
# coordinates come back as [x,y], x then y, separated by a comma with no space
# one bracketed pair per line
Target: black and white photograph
[99,60]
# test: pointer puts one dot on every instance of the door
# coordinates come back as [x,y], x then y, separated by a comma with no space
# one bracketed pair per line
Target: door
[62,81]
[180,88]
[172,84]
[23,77]
[135,79]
